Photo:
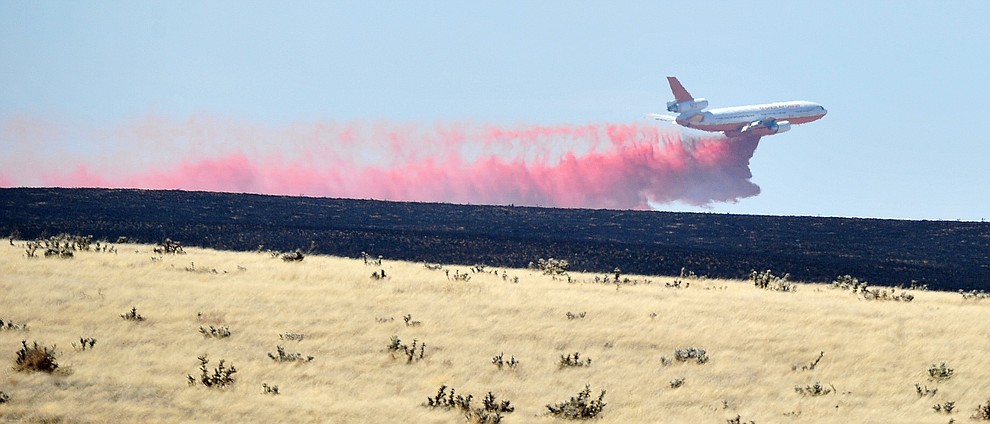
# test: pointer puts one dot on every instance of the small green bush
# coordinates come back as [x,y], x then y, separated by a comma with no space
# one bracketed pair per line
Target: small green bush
[221,377]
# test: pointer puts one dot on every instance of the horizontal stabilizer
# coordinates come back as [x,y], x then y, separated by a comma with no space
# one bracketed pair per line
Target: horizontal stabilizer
[662,117]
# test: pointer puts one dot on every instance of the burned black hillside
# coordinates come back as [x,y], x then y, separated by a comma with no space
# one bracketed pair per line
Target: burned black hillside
[943,254]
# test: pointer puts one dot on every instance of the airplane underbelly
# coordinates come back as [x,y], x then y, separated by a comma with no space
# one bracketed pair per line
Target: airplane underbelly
[804,119]
[717,126]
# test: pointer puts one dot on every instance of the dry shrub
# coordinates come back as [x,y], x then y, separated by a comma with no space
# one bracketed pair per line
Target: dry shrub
[36,358]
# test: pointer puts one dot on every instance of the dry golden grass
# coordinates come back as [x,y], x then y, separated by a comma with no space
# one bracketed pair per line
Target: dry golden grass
[874,351]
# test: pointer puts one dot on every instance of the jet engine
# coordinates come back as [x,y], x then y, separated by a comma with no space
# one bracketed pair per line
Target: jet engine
[778,127]
[761,128]
[688,106]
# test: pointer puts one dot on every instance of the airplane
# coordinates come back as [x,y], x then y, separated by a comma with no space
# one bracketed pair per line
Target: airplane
[739,121]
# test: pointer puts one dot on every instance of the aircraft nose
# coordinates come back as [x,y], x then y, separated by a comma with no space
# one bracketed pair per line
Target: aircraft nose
[824,111]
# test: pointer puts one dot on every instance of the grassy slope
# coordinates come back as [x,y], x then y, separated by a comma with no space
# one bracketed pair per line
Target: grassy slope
[874,351]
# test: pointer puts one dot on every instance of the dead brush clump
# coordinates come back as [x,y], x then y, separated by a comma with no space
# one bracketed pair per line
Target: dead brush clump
[296,256]
[945,407]
[215,332]
[809,366]
[169,247]
[940,373]
[133,315]
[684,275]
[862,289]
[281,356]
[926,391]
[573,361]
[499,362]
[36,358]
[458,276]
[848,282]
[816,389]
[572,316]
[410,322]
[12,326]
[368,260]
[4,398]
[580,407]
[738,420]
[270,389]
[686,354]
[767,281]
[292,337]
[887,294]
[974,295]
[982,412]
[489,413]
[83,343]
[395,345]
[222,376]
[60,246]
[551,266]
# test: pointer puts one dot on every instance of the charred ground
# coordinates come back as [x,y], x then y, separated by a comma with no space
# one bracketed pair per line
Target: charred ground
[946,255]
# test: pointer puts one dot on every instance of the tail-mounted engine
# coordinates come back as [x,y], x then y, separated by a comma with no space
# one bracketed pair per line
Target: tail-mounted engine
[688,106]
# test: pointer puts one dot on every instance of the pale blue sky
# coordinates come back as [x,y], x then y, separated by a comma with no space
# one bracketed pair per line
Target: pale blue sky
[905,82]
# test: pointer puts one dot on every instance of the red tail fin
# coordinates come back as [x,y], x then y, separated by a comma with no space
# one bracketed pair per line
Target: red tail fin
[680,94]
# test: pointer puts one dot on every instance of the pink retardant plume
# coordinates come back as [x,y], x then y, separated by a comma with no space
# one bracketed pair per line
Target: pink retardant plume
[616,166]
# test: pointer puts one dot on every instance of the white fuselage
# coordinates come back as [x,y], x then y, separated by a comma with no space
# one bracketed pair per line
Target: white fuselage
[734,119]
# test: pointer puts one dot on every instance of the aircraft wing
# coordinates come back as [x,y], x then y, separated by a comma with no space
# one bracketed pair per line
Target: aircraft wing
[662,117]
[761,128]
[755,125]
